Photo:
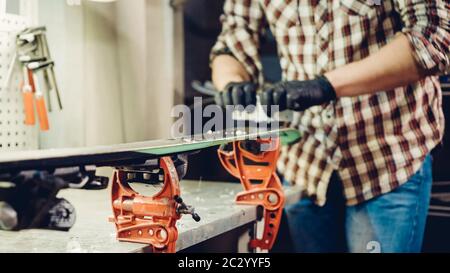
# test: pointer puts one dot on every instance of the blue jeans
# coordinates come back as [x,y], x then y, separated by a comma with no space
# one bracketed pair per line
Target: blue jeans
[391,223]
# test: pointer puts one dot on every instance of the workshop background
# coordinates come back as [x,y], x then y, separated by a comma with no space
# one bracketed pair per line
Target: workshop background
[122,65]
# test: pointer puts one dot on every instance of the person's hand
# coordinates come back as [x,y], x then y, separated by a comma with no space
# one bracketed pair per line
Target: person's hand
[237,93]
[298,95]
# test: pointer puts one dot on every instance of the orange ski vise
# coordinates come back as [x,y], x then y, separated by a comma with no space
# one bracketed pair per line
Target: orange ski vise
[147,220]
[262,187]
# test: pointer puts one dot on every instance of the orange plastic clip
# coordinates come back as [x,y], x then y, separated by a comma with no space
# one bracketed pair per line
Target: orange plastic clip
[147,220]
[262,186]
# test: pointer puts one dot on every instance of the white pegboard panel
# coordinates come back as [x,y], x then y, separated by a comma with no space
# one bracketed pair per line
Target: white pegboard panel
[14,135]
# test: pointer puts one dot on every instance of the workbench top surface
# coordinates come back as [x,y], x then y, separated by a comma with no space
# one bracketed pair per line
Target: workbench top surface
[92,232]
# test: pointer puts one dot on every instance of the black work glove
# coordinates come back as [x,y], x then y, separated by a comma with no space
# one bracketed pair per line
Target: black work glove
[242,93]
[298,95]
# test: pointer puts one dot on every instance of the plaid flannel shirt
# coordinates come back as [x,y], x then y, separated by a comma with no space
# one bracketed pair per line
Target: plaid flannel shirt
[374,142]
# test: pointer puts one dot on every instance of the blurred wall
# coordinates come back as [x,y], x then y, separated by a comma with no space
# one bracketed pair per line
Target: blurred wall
[115,65]
[150,55]
[83,44]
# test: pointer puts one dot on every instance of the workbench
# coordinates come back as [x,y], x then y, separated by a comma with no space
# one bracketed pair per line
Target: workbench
[92,232]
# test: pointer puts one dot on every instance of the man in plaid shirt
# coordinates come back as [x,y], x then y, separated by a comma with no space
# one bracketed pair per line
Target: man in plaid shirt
[361,77]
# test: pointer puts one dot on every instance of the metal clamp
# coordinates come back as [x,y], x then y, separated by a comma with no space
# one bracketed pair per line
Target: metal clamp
[149,220]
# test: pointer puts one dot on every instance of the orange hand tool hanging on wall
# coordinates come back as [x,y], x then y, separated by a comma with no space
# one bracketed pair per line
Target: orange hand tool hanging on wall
[34,55]
[28,98]
[33,93]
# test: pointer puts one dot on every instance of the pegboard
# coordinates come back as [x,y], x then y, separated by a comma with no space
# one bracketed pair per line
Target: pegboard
[14,134]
